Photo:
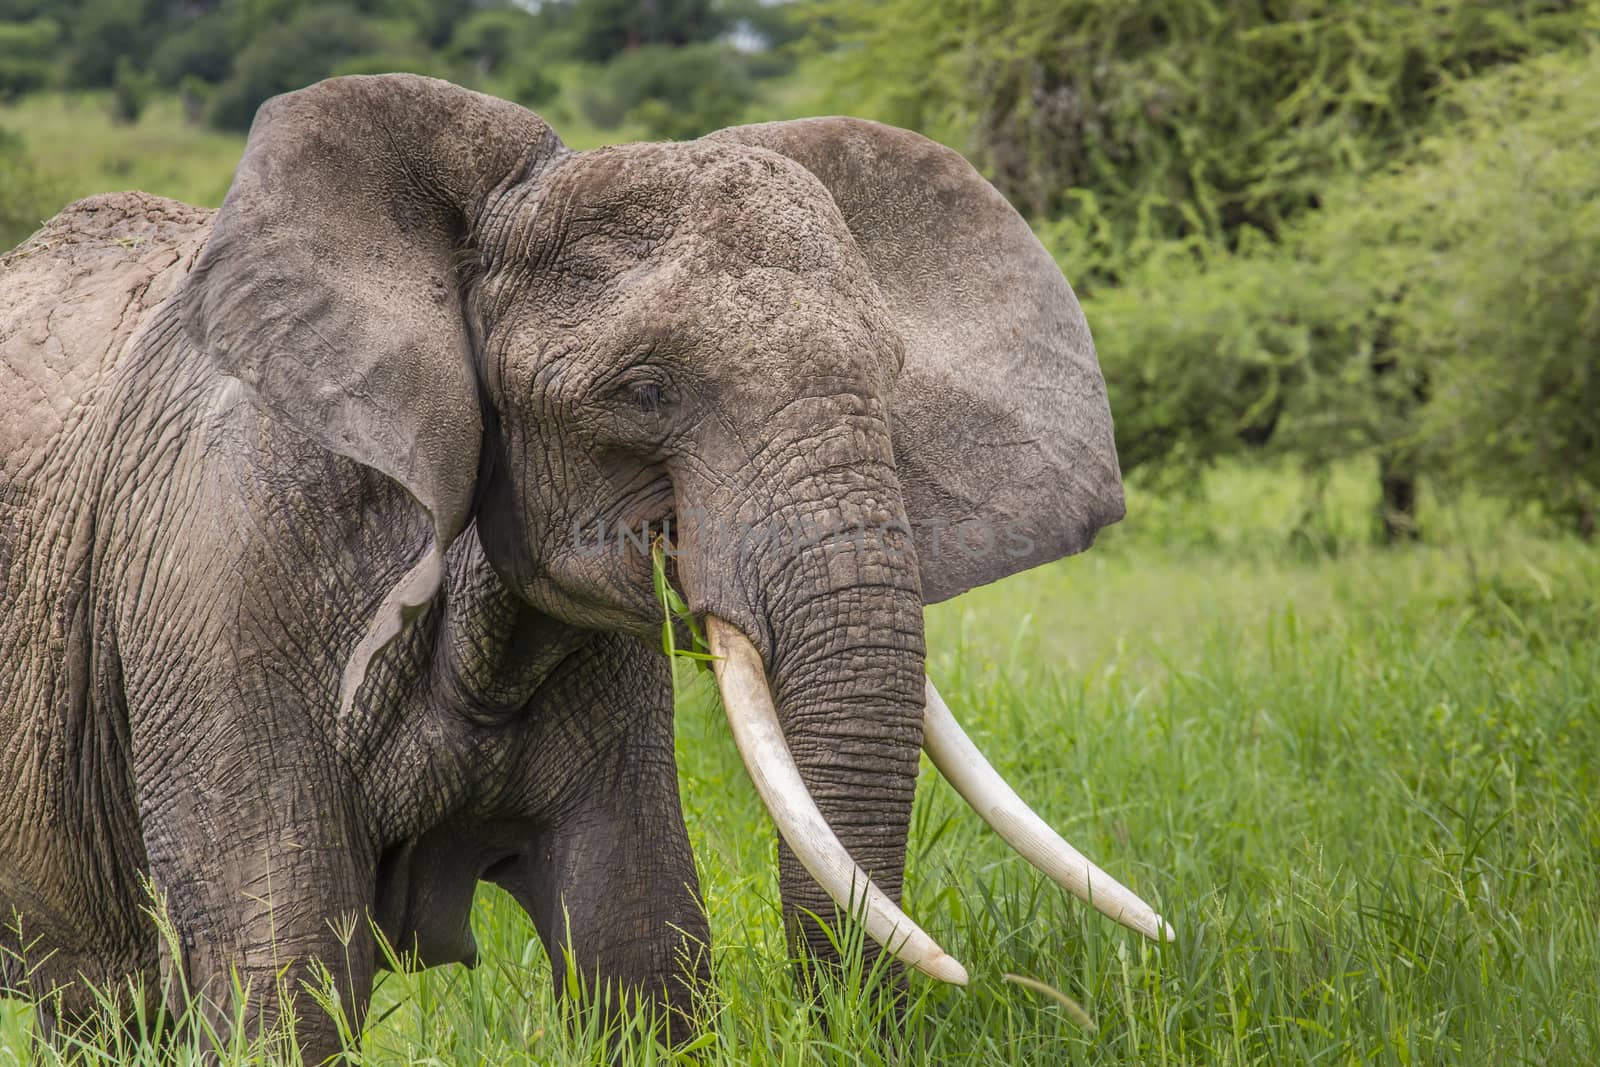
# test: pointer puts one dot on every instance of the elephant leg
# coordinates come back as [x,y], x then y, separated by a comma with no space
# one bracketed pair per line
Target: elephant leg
[611,879]
[615,886]
[264,886]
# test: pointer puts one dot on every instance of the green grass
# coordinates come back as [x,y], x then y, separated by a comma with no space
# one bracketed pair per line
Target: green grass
[80,151]
[1360,782]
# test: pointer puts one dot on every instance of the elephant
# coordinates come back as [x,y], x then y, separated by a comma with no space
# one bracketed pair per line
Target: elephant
[316,611]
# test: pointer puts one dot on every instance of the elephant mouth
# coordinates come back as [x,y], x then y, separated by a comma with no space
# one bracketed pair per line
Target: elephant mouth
[653,531]
[663,530]
[650,511]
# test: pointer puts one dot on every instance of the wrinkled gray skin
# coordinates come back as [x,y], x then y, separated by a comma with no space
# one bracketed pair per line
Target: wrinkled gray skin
[295,621]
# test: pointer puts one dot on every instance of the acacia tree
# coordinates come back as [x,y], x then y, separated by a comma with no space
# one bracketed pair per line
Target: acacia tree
[1442,317]
[1511,317]
[1127,123]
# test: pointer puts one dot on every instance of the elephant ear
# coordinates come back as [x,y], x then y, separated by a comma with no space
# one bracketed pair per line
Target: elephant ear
[1002,433]
[329,288]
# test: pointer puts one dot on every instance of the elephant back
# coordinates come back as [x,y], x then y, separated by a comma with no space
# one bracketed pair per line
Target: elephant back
[72,296]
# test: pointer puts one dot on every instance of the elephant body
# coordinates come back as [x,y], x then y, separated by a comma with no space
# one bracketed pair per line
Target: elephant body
[301,626]
[176,570]
[75,299]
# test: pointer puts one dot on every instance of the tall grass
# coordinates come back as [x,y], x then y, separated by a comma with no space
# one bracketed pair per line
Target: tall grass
[1360,782]
[80,150]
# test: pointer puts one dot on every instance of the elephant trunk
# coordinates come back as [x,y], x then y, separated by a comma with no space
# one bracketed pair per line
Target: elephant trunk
[848,683]
[819,597]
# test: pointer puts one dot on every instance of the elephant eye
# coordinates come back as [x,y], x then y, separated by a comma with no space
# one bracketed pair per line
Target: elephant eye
[649,396]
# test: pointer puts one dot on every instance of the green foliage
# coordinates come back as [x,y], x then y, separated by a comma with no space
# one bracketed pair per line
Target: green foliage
[1208,355]
[671,93]
[130,91]
[104,31]
[1176,119]
[25,49]
[13,11]
[77,150]
[236,52]
[607,28]
[493,37]
[202,48]
[674,611]
[530,86]
[1508,322]
[1443,313]
[25,199]
[318,42]
[512,50]
[650,67]
[777,25]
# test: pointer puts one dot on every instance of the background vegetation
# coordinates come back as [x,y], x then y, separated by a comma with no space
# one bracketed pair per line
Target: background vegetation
[1339,697]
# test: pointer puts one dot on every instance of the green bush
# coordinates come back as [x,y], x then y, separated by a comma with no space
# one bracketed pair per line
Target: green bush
[308,48]
[322,41]
[491,38]
[130,91]
[1443,316]
[25,49]
[608,28]
[24,196]
[1150,120]
[1510,319]
[203,49]
[102,32]
[529,85]
[673,93]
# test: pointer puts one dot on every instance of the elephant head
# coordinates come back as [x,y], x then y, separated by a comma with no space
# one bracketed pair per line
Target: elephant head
[825,353]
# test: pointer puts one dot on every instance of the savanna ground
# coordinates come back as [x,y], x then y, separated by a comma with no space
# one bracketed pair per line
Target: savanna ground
[1360,781]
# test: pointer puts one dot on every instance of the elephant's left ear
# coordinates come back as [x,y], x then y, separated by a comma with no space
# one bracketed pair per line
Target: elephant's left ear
[1002,433]
[330,287]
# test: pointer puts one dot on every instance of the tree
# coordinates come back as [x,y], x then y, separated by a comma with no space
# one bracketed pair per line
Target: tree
[1442,316]
[25,49]
[1511,317]
[673,93]
[1142,121]
[494,37]
[105,31]
[316,43]
[606,28]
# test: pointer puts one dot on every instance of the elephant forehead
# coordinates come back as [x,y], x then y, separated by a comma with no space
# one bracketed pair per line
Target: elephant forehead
[749,207]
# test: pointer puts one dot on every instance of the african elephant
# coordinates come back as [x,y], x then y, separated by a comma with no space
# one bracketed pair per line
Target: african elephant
[310,610]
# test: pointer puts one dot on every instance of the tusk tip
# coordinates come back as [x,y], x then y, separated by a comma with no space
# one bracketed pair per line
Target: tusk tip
[1161,930]
[944,968]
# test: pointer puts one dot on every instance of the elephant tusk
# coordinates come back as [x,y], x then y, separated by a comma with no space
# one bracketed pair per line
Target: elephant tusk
[742,679]
[964,767]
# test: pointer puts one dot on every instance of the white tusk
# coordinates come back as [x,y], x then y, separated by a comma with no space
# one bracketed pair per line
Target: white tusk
[754,721]
[964,767]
